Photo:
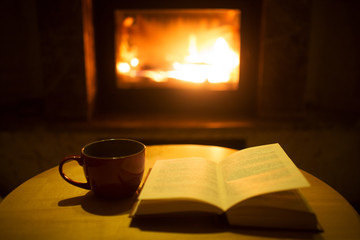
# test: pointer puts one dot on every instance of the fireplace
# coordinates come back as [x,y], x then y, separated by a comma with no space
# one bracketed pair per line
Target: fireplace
[177,58]
[177,48]
[268,41]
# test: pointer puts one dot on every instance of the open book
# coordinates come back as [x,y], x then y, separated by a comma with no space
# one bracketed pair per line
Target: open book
[254,187]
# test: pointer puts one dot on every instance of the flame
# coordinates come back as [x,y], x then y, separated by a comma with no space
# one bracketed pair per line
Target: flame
[215,65]
[123,67]
[134,62]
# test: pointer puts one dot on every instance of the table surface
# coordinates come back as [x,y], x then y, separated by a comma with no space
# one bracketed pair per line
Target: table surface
[47,207]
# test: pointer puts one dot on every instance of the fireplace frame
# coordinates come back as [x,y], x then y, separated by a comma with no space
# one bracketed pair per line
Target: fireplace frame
[174,102]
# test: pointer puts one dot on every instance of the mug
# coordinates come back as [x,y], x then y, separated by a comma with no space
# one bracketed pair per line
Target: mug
[113,167]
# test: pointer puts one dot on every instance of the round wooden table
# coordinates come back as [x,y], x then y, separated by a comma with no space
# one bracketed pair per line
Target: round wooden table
[47,207]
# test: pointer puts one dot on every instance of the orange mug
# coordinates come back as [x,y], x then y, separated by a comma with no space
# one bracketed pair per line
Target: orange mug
[113,167]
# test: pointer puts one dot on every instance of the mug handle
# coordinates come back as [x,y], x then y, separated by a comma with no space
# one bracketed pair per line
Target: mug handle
[66,178]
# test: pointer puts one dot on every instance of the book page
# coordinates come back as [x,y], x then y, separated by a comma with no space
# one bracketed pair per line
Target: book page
[259,170]
[195,178]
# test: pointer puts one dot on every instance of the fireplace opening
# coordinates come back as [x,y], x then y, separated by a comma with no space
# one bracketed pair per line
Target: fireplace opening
[195,59]
[182,48]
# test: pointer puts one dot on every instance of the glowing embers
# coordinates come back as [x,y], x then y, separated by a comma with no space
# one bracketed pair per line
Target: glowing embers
[178,48]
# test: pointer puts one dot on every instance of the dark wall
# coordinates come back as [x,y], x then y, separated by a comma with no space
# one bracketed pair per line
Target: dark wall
[20,65]
[334,64]
[42,58]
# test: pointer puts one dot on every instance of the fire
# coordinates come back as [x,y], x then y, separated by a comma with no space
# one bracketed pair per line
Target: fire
[214,65]
[134,62]
[123,67]
[178,48]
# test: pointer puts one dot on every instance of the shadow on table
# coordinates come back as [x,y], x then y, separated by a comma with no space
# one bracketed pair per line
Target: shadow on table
[182,223]
[104,207]
[212,224]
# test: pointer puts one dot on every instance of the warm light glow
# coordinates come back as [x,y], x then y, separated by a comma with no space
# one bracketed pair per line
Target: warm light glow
[179,46]
[189,72]
[128,22]
[134,62]
[123,67]
[214,65]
